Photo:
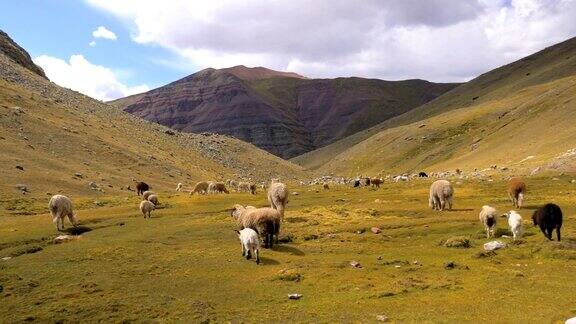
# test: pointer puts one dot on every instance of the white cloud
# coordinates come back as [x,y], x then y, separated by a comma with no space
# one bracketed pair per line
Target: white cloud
[439,40]
[92,43]
[103,32]
[93,80]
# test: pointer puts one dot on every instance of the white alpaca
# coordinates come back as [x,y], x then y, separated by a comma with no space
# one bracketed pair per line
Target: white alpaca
[250,243]
[61,206]
[515,223]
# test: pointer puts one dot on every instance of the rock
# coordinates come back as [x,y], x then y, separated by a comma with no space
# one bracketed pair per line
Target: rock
[19,167]
[376,230]
[170,132]
[92,185]
[450,265]
[377,201]
[78,175]
[6,258]
[382,318]
[98,203]
[573,181]
[295,193]
[22,187]
[493,245]
[294,296]
[64,238]
[355,264]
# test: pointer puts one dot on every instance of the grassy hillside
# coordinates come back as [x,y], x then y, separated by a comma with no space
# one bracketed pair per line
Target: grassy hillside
[184,264]
[535,88]
[55,140]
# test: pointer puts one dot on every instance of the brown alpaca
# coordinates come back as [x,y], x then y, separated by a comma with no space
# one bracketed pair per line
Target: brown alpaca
[516,191]
[141,187]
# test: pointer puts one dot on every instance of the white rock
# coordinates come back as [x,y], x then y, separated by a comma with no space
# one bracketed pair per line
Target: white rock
[294,296]
[494,245]
[64,238]
[382,318]
[6,258]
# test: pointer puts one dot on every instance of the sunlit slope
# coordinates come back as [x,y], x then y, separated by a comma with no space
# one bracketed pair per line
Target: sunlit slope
[530,128]
[502,85]
[56,140]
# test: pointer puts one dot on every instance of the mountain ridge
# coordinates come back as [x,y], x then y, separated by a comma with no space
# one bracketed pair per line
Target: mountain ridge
[281,112]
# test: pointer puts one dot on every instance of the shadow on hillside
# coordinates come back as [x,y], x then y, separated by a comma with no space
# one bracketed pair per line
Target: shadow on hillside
[288,249]
[268,261]
[460,210]
[77,230]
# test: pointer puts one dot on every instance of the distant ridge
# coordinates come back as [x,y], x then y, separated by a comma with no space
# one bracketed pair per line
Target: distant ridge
[283,113]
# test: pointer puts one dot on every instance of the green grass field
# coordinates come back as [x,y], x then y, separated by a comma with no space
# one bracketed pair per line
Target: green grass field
[184,263]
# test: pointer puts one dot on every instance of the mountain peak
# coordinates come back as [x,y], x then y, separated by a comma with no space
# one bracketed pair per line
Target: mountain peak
[259,72]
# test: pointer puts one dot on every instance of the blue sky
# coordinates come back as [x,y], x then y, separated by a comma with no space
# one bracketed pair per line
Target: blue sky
[61,28]
[157,42]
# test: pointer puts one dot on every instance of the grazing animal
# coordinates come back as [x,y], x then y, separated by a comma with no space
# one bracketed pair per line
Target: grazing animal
[60,207]
[243,187]
[516,191]
[153,199]
[253,188]
[548,218]
[219,187]
[141,187]
[422,175]
[366,182]
[356,183]
[250,243]
[278,197]
[376,182]
[146,194]
[200,187]
[515,223]
[325,186]
[401,178]
[265,221]
[488,216]
[179,187]
[146,207]
[441,193]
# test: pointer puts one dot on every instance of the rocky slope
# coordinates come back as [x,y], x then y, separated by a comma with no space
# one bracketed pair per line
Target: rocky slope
[13,51]
[57,140]
[281,112]
[520,116]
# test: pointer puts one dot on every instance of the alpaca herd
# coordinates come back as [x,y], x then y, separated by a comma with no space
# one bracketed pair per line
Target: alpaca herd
[255,224]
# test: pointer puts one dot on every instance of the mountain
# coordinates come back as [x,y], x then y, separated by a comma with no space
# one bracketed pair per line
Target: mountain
[521,115]
[57,140]
[281,112]
[14,52]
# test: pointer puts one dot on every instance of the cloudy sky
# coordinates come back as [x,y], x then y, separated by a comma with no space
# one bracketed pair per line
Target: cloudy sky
[112,48]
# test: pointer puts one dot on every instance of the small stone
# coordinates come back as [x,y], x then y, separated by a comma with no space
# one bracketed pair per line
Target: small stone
[294,296]
[397,266]
[415,262]
[355,264]
[19,167]
[22,187]
[295,193]
[449,265]
[376,230]
[382,318]
[78,175]
[377,201]
[6,258]
[170,132]
[380,258]
[64,238]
